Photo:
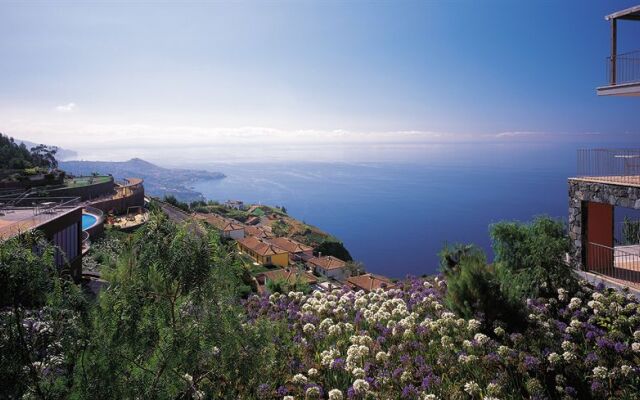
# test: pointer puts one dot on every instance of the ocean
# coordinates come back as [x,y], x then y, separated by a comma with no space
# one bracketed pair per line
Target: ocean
[395,213]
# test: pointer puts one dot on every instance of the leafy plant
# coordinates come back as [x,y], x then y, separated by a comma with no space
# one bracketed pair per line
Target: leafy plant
[530,257]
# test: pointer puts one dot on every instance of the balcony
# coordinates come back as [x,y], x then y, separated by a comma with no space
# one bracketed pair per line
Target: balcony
[615,166]
[623,69]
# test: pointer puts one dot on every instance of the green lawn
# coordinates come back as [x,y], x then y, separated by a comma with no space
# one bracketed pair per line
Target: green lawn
[86,181]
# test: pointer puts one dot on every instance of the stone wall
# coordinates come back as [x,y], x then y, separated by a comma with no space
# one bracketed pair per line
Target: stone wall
[582,191]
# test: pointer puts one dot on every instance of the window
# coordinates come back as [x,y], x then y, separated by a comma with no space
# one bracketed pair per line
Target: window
[269,260]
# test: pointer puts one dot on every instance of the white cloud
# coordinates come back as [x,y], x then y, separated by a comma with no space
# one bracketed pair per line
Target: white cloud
[65,108]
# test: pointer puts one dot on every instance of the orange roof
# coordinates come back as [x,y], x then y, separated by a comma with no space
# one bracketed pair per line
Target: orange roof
[220,222]
[327,262]
[259,246]
[257,231]
[290,245]
[290,275]
[369,282]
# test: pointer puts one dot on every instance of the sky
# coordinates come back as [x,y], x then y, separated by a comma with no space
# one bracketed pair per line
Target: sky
[87,74]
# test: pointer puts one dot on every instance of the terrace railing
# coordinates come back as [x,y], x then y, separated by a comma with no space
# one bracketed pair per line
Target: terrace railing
[623,68]
[614,165]
[620,263]
[38,205]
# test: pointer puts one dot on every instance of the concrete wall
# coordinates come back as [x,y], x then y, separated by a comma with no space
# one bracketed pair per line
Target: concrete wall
[580,193]
[134,197]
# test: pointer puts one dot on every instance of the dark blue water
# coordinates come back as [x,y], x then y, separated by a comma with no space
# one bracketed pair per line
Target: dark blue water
[396,215]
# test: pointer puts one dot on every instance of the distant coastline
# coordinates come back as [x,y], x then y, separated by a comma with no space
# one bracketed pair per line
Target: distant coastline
[158,181]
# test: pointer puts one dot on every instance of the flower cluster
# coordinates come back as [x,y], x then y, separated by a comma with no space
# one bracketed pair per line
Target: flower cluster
[404,343]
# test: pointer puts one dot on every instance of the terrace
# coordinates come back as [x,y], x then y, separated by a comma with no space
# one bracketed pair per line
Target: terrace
[606,188]
[623,69]
[21,214]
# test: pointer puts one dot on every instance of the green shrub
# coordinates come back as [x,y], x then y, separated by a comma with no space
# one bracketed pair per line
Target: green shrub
[474,289]
[530,257]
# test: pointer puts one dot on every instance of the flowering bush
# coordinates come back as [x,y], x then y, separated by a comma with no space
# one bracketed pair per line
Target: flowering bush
[404,343]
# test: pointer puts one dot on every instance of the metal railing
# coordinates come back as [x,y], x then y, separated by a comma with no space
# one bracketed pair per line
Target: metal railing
[39,205]
[620,262]
[615,165]
[623,68]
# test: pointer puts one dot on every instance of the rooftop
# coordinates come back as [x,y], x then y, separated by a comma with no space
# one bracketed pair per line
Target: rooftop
[260,246]
[290,275]
[369,282]
[257,231]
[327,262]
[220,222]
[290,245]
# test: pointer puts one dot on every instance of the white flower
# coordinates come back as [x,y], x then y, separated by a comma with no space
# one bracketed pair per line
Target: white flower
[600,372]
[381,356]
[308,328]
[428,397]
[569,356]
[473,325]
[553,358]
[471,387]
[625,369]
[188,378]
[635,346]
[481,338]
[360,386]
[636,335]
[299,379]
[358,372]
[499,331]
[335,394]
[313,392]
[312,372]
[198,395]
[288,398]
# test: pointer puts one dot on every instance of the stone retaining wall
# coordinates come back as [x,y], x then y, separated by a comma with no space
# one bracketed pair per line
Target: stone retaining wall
[582,191]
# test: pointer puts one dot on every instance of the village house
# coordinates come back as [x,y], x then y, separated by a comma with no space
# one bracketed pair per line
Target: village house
[369,282]
[297,251]
[263,252]
[228,228]
[235,204]
[258,231]
[329,267]
[289,275]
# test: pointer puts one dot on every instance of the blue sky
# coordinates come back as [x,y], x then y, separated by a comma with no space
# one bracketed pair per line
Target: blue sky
[295,71]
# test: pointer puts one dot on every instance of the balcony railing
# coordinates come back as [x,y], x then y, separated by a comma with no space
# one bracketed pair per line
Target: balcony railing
[621,263]
[610,165]
[623,68]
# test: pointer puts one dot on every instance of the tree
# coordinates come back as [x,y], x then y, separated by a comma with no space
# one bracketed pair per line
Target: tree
[530,257]
[45,156]
[333,248]
[474,289]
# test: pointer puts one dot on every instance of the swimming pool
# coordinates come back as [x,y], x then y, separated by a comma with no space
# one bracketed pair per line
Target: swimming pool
[88,220]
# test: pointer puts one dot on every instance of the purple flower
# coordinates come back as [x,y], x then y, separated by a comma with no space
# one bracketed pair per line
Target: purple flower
[531,363]
[409,392]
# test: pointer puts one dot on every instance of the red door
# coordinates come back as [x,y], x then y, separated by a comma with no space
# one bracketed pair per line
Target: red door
[599,238]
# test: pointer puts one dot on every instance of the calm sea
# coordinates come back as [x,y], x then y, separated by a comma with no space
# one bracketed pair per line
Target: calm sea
[395,214]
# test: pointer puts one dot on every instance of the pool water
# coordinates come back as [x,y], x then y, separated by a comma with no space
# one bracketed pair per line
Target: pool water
[88,221]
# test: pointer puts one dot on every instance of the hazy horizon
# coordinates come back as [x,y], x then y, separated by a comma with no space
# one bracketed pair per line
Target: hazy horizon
[114,81]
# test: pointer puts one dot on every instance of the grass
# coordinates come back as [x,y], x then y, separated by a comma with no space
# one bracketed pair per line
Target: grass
[86,181]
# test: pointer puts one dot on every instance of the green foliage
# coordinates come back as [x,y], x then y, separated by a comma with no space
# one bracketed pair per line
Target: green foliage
[171,199]
[36,342]
[17,156]
[474,288]
[281,285]
[333,248]
[170,321]
[630,231]
[530,257]
[280,228]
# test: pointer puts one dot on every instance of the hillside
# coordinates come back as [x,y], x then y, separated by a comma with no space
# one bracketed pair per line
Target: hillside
[158,181]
